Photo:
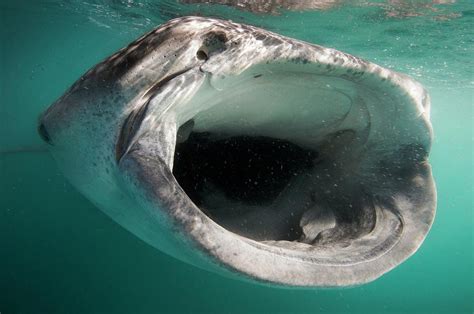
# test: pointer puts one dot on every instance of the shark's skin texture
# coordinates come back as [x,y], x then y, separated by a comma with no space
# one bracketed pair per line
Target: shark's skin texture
[360,206]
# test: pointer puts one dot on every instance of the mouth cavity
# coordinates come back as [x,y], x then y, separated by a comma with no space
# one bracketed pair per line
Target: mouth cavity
[277,160]
[237,180]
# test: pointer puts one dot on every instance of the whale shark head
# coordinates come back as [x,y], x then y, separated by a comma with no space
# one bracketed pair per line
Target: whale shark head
[251,154]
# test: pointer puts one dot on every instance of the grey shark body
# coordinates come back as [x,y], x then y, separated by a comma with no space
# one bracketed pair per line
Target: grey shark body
[252,154]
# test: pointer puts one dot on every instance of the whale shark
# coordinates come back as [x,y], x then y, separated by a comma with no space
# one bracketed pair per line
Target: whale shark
[252,155]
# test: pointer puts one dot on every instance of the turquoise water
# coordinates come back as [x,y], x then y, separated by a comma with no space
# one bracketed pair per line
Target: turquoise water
[61,254]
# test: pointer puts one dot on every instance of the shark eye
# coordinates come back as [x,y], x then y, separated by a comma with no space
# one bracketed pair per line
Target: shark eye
[213,42]
[44,133]
[201,55]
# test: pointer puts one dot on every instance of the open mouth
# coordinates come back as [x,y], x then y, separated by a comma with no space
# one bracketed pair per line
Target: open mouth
[289,175]
[278,158]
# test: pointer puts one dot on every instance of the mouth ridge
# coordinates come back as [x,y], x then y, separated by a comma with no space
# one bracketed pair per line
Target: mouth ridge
[134,119]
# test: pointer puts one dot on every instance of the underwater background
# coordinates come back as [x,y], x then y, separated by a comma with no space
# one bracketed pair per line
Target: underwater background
[58,253]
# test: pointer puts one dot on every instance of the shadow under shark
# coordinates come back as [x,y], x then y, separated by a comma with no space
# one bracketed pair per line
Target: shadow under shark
[251,154]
